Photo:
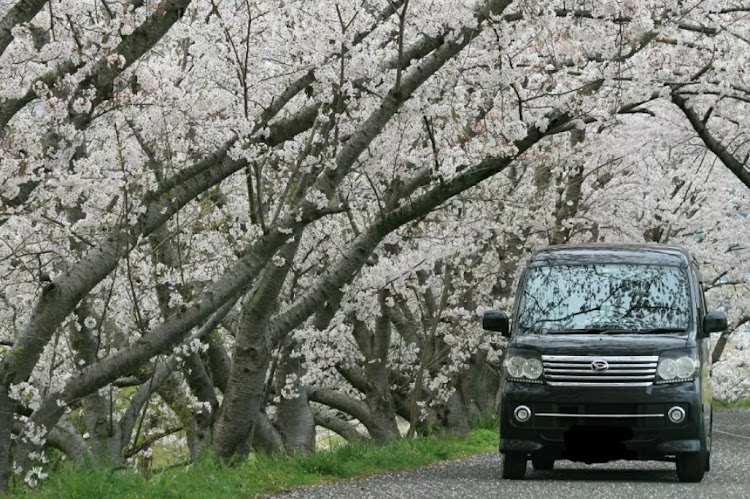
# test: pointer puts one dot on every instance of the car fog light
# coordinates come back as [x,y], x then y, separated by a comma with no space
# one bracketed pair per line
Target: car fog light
[522,413]
[676,414]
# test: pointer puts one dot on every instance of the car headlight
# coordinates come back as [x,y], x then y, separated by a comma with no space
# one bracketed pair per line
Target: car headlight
[532,368]
[676,366]
[523,367]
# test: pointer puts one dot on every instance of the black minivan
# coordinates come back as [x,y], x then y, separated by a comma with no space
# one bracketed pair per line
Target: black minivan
[608,359]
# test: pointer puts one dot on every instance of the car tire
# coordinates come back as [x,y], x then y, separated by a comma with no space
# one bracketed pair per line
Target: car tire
[691,467]
[542,463]
[514,465]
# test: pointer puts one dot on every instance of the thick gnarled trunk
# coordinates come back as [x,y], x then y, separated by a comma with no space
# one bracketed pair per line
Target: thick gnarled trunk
[294,417]
[374,343]
[245,395]
[243,398]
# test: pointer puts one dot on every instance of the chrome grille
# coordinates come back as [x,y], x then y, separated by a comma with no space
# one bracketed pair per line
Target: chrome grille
[587,370]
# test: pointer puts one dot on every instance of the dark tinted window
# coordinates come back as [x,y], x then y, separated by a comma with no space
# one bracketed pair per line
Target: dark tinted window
[606,297]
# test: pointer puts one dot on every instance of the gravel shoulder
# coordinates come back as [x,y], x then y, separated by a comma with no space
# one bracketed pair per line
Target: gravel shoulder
[479,476]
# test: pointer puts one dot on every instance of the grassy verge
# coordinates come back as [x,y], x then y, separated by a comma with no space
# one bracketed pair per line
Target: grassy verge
[742,404]
[266,475]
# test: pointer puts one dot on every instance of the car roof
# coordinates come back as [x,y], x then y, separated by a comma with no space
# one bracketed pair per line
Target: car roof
[653,254]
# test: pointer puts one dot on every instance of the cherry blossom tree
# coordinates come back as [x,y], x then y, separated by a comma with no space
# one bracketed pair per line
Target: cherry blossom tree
[236,220]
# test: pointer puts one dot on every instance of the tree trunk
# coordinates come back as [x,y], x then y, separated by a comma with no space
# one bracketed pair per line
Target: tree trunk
[374,343]
[456,420]
[219,363]
[105,436]
[7,412]
[294,418]
[472,385]
[22,12]
[201,424]
[244,395]
[105,439]
[265,437]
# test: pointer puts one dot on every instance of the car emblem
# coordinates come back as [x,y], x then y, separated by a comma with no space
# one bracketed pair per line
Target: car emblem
[599,365]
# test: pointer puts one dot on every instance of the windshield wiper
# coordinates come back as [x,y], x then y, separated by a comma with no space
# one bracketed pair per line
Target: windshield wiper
[661,330]
[591,330]
[607,330]
[614,330]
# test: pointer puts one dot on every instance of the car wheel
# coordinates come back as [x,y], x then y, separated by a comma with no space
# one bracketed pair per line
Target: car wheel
[691,467]
[514,465]
[542,463]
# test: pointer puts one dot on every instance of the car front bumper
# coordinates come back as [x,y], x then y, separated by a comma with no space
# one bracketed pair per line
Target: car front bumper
[601,424]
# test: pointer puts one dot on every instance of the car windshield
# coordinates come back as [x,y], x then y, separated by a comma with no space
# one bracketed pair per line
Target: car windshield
[604,298]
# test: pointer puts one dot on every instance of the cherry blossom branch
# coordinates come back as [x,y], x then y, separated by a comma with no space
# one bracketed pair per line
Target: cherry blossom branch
[587,14]
[343,271]
[123,362]
[148,442]
[66,438]
[337,425]
[22,12]
[396,96]
[228,434]
[107,69]
[337,400]
[737,167]
[66,291]
[217,297]
[721,343]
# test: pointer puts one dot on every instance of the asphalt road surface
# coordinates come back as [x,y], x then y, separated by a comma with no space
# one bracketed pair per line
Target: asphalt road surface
[480,476]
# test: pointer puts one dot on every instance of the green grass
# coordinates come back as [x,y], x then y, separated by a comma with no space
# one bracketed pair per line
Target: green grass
[266,475]
[742,404]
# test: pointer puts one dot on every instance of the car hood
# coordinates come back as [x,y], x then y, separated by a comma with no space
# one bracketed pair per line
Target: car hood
[600,344]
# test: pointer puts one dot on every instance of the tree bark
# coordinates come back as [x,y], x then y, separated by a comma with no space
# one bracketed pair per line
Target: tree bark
[101,77]
[294,417]
[337,425]
[7,413]
[713,144]
[724,338]
[374,345]
[342,402]
[195,422]
[244,397]
[166,252]
[22,12]
[265,436]
[105,439]
[569,195]
[219,363]
[65,437]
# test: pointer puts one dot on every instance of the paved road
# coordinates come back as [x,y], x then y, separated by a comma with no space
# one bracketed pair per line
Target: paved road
[480,476]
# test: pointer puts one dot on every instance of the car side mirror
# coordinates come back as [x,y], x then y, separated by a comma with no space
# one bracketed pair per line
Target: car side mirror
[714,322]
[496,320]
